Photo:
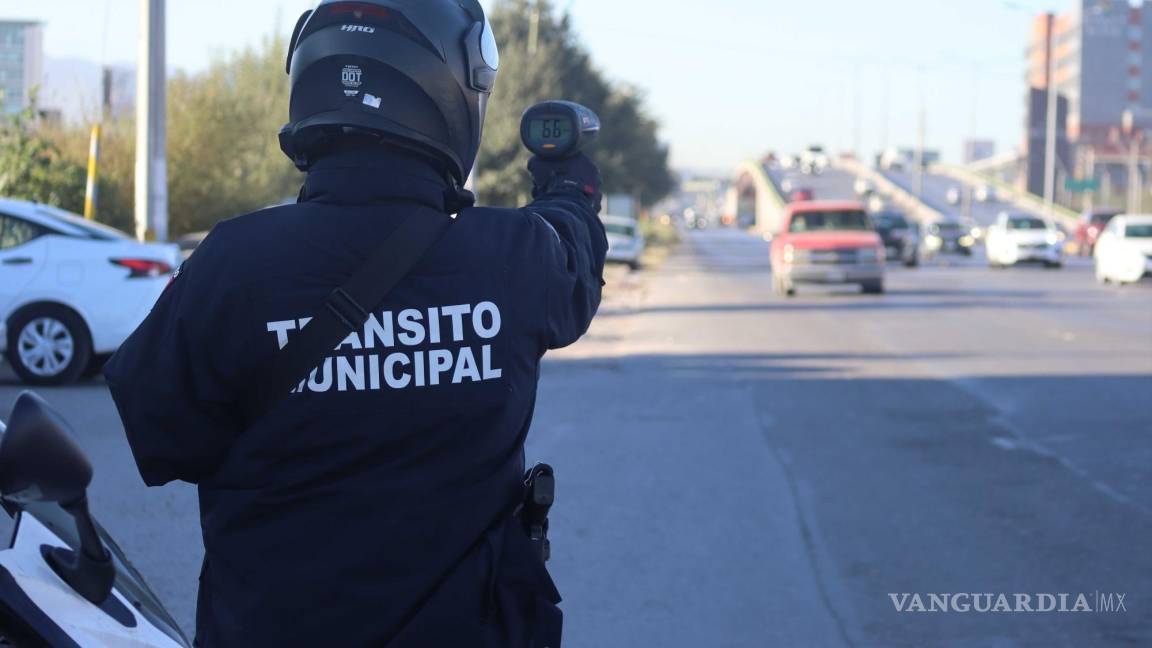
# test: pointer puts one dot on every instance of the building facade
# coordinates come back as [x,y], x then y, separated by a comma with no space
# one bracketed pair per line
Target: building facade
[21,63]
[978,149]
[1101,66]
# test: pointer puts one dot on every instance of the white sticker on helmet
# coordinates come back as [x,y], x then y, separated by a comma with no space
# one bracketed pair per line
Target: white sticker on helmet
[371,100]
[351,76]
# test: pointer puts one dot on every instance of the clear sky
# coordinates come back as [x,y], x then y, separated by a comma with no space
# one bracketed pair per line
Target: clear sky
[729,79]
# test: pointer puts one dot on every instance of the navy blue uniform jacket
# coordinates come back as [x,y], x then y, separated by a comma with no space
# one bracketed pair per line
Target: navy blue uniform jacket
[335,518]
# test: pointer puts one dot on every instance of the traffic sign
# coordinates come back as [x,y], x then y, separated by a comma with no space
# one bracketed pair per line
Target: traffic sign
[1086,185]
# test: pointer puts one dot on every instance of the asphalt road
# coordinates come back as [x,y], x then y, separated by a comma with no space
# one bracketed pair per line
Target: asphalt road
[935,195]
[737,469]
[833,184]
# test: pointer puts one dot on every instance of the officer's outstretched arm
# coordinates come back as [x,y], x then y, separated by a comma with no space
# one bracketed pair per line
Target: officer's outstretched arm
[567,197]
[169,383]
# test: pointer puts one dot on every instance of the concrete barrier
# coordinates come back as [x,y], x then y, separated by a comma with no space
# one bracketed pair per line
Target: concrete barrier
[770,202]
[897,195]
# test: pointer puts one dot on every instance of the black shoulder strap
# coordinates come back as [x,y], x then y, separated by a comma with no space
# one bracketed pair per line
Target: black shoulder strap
[347,308]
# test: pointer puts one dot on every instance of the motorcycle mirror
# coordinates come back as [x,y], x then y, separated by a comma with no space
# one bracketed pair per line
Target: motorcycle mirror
[39,461]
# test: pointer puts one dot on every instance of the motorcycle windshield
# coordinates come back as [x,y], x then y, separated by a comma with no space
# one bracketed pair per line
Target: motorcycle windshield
[129,582]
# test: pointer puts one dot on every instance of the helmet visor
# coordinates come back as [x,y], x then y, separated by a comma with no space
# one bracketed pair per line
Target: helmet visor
[489,51]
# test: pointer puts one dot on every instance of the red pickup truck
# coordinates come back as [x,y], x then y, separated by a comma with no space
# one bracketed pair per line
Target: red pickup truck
[824,242]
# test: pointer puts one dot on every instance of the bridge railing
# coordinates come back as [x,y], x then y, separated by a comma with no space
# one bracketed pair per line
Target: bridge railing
[770,202]
[912,205]
[1020,199]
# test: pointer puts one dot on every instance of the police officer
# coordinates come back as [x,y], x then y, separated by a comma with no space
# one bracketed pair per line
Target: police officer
[373,505]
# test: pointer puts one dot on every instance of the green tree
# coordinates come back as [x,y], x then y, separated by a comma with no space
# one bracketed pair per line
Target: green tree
[224,158]
[542,59]
[223,155]
[32,166]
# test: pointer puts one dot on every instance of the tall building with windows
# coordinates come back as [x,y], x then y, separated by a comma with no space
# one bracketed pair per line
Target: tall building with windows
[1048,32]
[1101,51]
[21,63]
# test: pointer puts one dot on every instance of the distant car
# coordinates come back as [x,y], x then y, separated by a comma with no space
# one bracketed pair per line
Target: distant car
[814,161]
[1124,250]
[189,242]
[1018,237]
[801,194]
[901,237]
[827,243]
[946,237]
[1090,227]
[893,160]
[695,220]
[863,187]
[985,194]
[954,196]
[71,290]
[625,241]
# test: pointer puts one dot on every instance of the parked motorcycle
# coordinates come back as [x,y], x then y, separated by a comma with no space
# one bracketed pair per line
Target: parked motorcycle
[64,582]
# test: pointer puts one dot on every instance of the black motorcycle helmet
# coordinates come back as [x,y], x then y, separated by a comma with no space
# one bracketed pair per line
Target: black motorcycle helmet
[412,73]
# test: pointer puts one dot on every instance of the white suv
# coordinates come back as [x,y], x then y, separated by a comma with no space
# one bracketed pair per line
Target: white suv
[1020,237]
[71,290]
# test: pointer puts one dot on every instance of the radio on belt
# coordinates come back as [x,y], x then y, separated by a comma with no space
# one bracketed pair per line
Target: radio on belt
[558,129]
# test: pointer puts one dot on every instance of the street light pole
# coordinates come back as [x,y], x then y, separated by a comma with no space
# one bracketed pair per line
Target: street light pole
[921,142]
[1050,135]
[1132,129]
[151,130]
[1135,182]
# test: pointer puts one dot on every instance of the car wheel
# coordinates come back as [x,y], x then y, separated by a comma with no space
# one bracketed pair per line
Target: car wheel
[1053,265]
[48,345]
[873,287]
[633,265]
[912,262]
[782,287]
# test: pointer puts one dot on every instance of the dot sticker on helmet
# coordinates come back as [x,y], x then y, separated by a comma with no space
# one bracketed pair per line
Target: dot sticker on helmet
[351,76]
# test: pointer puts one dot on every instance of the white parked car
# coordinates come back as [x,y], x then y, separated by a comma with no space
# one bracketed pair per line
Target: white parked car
[71,290]
[1124,250]
[625,241]
[1018,237]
